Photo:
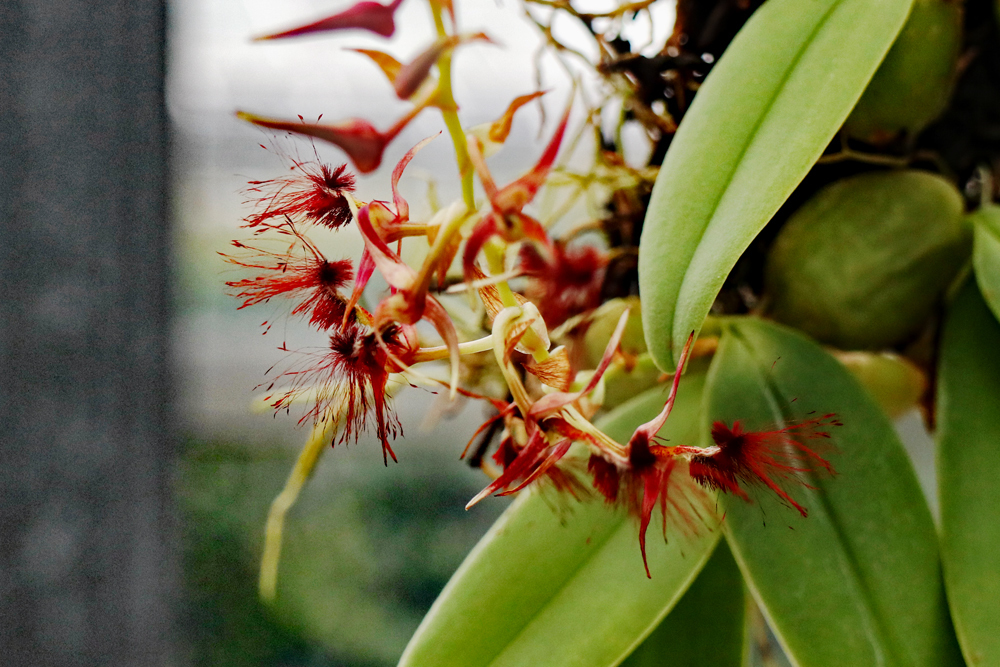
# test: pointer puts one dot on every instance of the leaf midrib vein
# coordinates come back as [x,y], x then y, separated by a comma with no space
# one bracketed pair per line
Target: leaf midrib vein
[882,633]
[751,137]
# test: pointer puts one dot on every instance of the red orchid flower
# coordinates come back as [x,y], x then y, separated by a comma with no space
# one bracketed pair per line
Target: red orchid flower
[738,459]
[407,79]
[389,225]
[409,302]
[350,380]
[508,450]
[664,481]
[365,15]
[560,477]
[299,271]
[566,283]
[314,192]
[524,464]
[651,474]
[507,220]
[550,433]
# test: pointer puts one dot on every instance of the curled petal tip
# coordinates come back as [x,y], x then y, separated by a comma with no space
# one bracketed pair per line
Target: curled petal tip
[389,65]
[500,128]
[516,195]
[402,207]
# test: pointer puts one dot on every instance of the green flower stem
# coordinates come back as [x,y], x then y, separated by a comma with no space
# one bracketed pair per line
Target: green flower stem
[441,351]
[446,100]
[274,528]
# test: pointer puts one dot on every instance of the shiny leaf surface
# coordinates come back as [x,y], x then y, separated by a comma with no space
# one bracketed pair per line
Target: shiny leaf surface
[707,625]
[968,417]
[986,254]
[859,580]
[561,582]
[764,115]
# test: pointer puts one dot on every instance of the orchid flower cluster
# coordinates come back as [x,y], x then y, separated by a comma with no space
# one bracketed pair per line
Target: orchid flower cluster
[551,393]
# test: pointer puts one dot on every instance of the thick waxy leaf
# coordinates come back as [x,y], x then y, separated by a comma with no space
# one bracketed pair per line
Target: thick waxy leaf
[764,115]
[707,625]
[858,582]
[968,417]
[986,254]
[557,582]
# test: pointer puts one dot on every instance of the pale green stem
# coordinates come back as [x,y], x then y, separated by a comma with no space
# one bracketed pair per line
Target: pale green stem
[447,100]
[494,256]
[985,186]
[501,327]
[441,351]
[846,154]
[305,464]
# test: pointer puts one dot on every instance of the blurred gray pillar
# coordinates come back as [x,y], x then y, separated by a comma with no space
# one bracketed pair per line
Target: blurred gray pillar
[87,569]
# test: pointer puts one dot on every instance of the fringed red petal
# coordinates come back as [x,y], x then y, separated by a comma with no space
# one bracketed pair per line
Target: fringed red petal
[772,459]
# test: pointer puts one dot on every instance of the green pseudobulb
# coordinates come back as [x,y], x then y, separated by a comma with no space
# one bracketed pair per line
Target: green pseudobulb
[913,84]
[861,265]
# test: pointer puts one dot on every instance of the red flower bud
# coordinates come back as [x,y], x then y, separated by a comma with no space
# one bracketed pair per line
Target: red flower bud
[358,138]
[363,16]
[408,78]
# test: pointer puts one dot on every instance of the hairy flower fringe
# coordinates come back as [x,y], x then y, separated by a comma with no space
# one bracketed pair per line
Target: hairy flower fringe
[772,459]
[349,379]
[314,192]
[298,271]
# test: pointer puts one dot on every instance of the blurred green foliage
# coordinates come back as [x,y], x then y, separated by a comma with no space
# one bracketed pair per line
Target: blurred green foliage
[366,552]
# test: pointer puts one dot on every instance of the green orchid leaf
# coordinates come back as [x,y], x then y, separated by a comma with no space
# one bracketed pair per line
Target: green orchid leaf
[968,417]
[559,582]
[763,116]
[857,582]
[707,627]
[986,254]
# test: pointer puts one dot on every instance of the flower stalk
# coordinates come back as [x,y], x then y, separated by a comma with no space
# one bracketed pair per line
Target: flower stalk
[538,316]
